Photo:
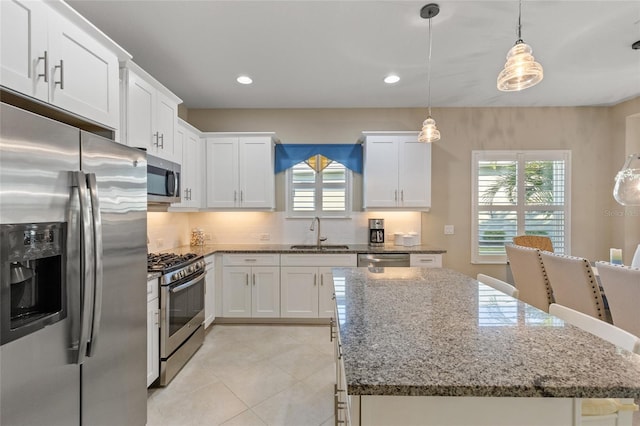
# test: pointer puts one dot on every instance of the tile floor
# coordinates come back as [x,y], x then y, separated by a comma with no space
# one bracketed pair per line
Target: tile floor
[252,375]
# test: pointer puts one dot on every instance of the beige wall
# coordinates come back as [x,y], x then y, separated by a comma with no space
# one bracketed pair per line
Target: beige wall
[625,221]
[596,136]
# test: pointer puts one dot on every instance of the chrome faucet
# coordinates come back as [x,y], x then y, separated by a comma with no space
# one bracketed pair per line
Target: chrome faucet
[319,239]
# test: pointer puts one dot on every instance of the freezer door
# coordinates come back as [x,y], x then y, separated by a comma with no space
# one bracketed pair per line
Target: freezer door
[38,155]
[114,385]
[38,383]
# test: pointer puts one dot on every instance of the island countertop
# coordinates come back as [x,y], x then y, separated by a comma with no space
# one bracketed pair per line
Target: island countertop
[437,332]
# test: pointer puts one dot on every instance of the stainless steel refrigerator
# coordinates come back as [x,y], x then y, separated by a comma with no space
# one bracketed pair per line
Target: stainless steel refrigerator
[73,275]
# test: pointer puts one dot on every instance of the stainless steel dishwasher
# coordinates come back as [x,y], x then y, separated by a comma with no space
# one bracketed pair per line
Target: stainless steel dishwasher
[382,260]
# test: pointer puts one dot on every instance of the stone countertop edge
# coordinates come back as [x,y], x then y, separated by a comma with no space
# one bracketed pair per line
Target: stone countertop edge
[437,332]
[210,249]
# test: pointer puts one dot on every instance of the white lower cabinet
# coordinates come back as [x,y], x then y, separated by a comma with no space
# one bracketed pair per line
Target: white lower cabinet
[153,331]
[251,291]
[425,260]
[210,291]
[306,284]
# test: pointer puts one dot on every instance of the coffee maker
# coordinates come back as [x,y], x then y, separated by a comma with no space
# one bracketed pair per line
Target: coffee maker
[376,232]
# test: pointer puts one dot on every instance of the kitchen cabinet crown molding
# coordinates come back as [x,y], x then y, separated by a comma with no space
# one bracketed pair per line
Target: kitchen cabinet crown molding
[130,65]
[190,127]
[273,136]
[70,13]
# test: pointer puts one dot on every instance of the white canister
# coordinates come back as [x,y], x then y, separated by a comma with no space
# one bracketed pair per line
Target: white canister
[411,239]
[398,239]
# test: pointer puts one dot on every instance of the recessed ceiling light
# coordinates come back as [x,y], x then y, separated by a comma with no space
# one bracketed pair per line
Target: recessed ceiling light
[243,79]
[391,78]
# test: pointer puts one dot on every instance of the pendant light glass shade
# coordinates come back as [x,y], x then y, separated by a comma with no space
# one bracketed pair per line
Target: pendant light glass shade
[627,188]
[521,70]
[430,132]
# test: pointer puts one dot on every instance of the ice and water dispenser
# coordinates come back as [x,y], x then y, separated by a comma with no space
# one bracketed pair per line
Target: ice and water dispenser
[32,278]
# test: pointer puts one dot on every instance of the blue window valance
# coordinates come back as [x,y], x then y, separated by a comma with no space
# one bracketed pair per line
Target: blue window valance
[288,155]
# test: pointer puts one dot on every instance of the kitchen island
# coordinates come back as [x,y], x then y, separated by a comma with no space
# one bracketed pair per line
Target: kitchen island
[433,346]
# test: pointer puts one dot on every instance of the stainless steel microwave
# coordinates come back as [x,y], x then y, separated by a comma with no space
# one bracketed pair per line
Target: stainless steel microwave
[163,181]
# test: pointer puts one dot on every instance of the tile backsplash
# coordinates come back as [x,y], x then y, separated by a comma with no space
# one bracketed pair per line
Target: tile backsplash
[170,229]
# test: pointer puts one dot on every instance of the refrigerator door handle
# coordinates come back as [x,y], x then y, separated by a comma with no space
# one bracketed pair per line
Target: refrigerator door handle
[86,266]
[97,261]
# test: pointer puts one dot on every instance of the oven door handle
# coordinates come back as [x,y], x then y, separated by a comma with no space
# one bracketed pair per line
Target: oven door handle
[186,285]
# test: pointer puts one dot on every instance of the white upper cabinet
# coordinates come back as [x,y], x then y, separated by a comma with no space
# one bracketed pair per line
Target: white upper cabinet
[151,114]
[239,170]
[397,171]
[50,53]
[192,177]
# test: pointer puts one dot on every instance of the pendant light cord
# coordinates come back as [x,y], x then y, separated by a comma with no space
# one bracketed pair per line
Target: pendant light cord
[429,71]
[519,22]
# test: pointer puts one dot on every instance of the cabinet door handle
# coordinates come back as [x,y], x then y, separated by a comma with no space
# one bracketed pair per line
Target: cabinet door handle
[241,196]
[315,280]
[61,82]
[246,277]
[157,318]
[156,135]
[395,195]
[161,139]
[189,194]
[45,58]
[235,196]
[254,280]
[402,195]
[321,280]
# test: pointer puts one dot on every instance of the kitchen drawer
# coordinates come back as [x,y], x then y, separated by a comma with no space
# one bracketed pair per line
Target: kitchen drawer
[248,259]
[152,289]
[426,260]
[329,259]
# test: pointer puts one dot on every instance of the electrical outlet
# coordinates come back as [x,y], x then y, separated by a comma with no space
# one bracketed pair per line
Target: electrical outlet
[448,230]
[265,236]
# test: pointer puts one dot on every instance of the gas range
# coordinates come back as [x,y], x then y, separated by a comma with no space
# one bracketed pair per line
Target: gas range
[175,267]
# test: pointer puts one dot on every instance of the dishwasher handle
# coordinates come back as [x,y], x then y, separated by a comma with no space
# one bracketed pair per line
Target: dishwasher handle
[384,259]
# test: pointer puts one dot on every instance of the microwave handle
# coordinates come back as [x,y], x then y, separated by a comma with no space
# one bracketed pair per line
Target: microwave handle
[172,190]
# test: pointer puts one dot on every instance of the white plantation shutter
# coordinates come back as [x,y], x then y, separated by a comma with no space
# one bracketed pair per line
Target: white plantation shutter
[517,193]
[324,193]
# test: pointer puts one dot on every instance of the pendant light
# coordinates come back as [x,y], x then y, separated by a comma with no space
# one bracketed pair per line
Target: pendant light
[430,132]
[627,188]
[521,70]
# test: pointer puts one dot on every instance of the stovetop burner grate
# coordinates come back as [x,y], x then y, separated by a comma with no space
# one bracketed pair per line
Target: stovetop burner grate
[163,261]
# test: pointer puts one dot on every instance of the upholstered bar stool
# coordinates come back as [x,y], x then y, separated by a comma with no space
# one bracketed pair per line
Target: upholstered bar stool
[574,284]
[621,286]
[529,276]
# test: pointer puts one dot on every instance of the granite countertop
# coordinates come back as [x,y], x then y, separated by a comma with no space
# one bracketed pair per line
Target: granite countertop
[436,332]
[286,249]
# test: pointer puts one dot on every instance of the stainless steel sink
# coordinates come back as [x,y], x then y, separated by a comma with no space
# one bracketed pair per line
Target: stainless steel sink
[322,247]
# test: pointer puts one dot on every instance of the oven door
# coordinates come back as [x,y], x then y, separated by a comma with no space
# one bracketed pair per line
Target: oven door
[181,311]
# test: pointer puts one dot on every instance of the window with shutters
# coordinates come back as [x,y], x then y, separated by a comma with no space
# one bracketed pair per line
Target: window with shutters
[319,187]
[518,193]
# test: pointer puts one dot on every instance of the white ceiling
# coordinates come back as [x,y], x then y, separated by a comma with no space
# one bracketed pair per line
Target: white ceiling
[323,54]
